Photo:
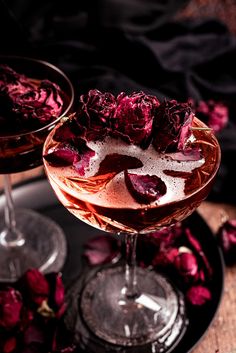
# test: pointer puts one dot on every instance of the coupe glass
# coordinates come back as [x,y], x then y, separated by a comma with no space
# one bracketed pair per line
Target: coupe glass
[128,306]
[28,239]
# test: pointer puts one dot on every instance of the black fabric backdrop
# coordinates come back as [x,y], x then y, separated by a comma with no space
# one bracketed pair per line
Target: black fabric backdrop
[127,45]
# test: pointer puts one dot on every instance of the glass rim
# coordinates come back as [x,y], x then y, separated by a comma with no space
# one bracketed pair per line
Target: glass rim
[57,119]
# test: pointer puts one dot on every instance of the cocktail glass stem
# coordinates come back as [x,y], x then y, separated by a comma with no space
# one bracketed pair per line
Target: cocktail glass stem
[130,289]
[10,236]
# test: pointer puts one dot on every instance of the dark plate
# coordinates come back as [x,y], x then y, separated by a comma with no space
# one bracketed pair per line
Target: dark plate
[37,194]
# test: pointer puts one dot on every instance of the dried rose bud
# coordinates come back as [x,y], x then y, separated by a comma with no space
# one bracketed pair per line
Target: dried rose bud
[35,286]
[134,117]
[198,295]
[42,104]
[95,111]
[10,308]
[171,126]
[226,236]
[214,114]
[145,188]
[165,257]
[102,249]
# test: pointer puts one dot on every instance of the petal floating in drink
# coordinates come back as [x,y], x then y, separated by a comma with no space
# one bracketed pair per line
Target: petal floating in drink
[62,155]
[172,126]
[111,165]
[145,188]
[134,117]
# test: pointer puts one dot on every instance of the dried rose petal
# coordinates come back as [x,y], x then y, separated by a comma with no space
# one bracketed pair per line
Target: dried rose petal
[35,286]
[226,236]
[85,155]
[186,265]
[145,188]
[56,299]
[95,112]
[10,308]
[63,155]
[101,249]
[134,117]
[76,154]
[165,257]
[9,345]
[41,104]
[214,114]
[171,126]
[188,154]
[196,246]
[198,295]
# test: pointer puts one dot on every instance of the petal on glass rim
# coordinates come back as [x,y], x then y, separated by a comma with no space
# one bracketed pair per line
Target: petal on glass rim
[188,154]
[62,155]
[145,188]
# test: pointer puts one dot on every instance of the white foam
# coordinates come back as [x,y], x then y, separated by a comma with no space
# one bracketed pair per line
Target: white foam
[115,194]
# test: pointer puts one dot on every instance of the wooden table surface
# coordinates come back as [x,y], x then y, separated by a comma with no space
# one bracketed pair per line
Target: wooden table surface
[221,337]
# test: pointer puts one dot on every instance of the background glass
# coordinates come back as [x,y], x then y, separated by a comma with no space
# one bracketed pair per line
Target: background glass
[27,239]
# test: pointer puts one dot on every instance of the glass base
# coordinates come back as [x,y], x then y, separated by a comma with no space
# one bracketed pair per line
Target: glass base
[44,246]
[156,314]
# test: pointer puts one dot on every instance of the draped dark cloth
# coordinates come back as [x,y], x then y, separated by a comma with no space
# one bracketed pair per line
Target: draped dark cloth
[130,45]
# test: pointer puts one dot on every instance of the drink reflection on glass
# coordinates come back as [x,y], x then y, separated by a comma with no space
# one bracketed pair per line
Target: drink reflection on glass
[34,96]
[132,165]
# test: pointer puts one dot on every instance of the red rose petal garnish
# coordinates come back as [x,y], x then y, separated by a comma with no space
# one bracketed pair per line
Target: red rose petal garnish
[81,164]
[171,126]
[134,117]
[188,154]
[76,154]
[111,165]
[61,156]
[116,163]
[145,188]
[102,249]
[198,295]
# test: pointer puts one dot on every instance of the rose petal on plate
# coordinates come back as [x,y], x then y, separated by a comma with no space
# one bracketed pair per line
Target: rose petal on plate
[145,188]
[198,295]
